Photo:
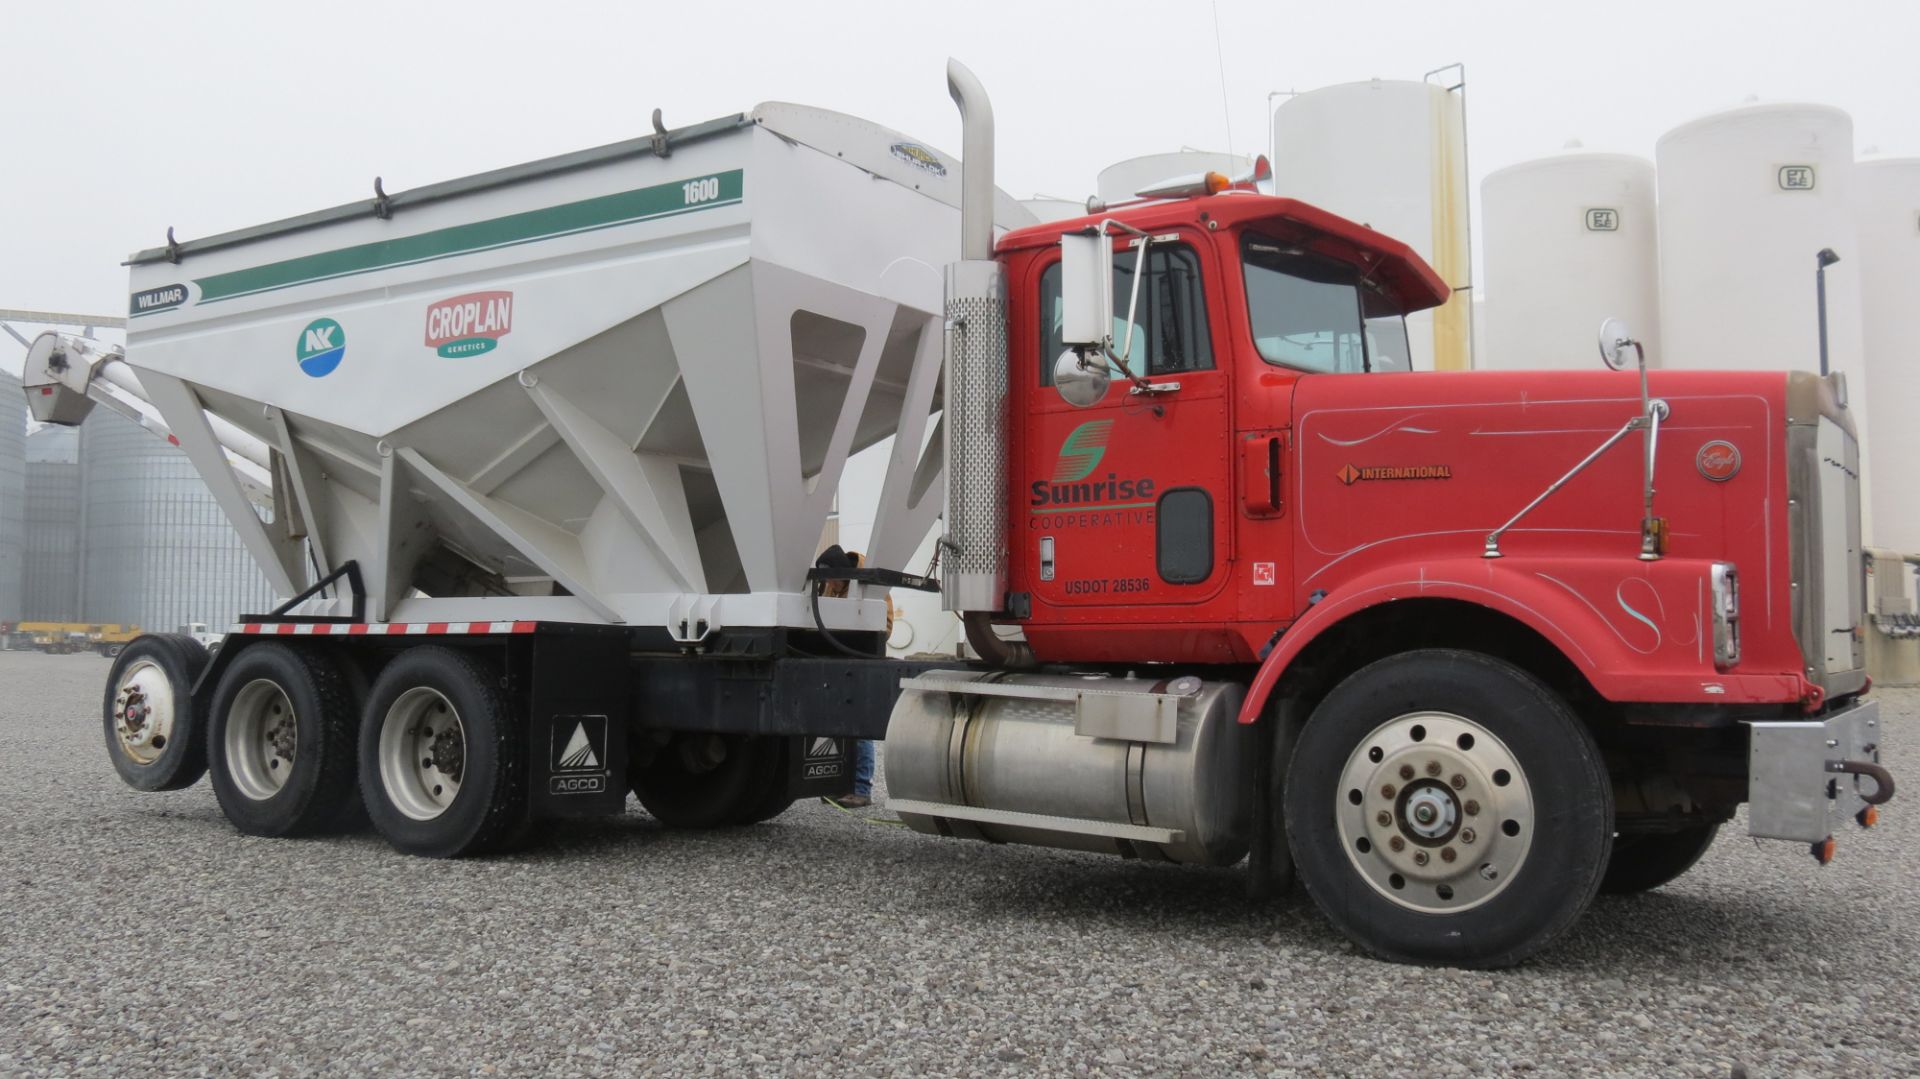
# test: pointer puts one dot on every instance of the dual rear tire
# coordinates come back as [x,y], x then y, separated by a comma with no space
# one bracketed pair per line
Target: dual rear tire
[280,744]
[714,780]
[442,764]
[298,744]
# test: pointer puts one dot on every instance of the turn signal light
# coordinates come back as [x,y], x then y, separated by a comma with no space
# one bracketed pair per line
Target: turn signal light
[1217,182]
[1823,850]
[1868,817]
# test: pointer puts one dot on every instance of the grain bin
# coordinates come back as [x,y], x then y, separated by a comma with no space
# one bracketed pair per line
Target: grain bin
[50,577]
[13,434]
[157,550]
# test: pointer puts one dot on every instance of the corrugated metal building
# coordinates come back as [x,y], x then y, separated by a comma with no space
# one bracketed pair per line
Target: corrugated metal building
[13,495]
[50,563]
[157,551]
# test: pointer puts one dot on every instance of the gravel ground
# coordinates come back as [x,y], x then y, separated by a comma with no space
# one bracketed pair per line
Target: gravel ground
[141,934]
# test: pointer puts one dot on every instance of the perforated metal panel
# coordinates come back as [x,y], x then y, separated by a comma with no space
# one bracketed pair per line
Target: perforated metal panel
[975,575]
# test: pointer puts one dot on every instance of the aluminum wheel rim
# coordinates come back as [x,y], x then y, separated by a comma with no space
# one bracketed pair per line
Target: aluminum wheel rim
[423,753]
[1435,812]
[262,738]
[143,711]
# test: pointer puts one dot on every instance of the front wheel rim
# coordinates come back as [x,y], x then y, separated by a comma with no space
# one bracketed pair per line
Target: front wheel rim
[143,712]
[1435,812]
[423,753]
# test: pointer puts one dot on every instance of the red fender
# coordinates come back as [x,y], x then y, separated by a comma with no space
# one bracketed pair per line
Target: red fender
[1638,631]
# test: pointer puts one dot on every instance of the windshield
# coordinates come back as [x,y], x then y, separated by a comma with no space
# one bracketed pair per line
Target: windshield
[1314,314]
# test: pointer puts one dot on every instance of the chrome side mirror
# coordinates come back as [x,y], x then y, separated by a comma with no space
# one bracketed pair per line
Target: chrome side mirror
[1086,289]
[1615,340]
[1081,379]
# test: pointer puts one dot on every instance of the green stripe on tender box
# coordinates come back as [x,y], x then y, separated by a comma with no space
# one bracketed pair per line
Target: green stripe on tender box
[606,211]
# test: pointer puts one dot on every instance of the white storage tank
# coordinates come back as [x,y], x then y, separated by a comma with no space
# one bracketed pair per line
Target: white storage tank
[1391,155]
[1748,198]
[1052,209]
[1483,356]
[1570,239]
[157,551]
[1121,180]
[1887,216]
[13,490]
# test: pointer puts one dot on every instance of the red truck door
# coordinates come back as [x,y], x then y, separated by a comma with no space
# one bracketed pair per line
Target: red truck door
[1126,504]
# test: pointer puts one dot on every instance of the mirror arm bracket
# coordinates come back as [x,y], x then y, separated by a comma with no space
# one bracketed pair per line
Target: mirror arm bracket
[1141,385]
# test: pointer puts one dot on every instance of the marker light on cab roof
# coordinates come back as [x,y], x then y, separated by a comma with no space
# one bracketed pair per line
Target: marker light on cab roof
[1208,183]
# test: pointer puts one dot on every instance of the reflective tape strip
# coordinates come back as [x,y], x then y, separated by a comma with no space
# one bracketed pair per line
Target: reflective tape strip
[380,629]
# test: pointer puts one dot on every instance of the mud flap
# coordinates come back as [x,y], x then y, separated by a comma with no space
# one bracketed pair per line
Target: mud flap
[577,748]
[1270,860]
[820,766]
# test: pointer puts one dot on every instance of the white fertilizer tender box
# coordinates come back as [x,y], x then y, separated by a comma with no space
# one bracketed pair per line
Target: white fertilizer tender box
[614,387]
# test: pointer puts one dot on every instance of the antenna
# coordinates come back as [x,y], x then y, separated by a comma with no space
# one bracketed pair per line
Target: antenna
[1220,60]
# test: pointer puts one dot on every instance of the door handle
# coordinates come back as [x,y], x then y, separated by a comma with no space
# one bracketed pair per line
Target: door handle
[1260,475]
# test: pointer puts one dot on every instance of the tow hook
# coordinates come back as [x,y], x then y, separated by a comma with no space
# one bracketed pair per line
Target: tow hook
[1869,815]
[1882,779]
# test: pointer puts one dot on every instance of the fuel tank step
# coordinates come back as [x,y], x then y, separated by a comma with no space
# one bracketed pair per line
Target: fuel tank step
[935,812]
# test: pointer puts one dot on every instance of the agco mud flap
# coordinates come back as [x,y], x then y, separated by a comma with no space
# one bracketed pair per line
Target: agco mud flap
[1805,780]
[820,766]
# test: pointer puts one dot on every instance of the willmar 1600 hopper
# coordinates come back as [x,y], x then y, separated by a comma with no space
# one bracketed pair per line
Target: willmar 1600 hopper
[545,456]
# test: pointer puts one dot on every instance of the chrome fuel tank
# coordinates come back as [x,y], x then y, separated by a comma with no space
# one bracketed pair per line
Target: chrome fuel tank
[1129,766]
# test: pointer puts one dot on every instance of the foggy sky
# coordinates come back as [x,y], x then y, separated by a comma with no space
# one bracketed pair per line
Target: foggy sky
[120,119]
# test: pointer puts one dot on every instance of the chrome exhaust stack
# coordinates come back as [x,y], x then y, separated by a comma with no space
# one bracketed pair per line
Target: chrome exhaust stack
[975,571]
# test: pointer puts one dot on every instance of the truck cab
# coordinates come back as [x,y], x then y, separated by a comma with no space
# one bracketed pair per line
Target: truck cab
[1167,500]
[1461,648]
[1266,466]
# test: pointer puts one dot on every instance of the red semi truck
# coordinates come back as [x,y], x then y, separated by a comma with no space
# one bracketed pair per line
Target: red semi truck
[1456,650]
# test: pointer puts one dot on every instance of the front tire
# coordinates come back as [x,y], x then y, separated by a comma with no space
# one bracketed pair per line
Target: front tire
[281,743]
[1643,862]
[1444,807]
[152,727]
[442,761]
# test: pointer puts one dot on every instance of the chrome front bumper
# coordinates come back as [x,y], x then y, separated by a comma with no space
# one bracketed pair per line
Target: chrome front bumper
[1804,780]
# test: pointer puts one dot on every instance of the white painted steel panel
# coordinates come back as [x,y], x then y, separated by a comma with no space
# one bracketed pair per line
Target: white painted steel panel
[625,388]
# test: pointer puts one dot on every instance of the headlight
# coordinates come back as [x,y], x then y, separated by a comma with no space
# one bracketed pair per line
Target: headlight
[1726,615]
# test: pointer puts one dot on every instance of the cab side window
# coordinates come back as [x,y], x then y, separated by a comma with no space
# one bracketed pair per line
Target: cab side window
[1170,331]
